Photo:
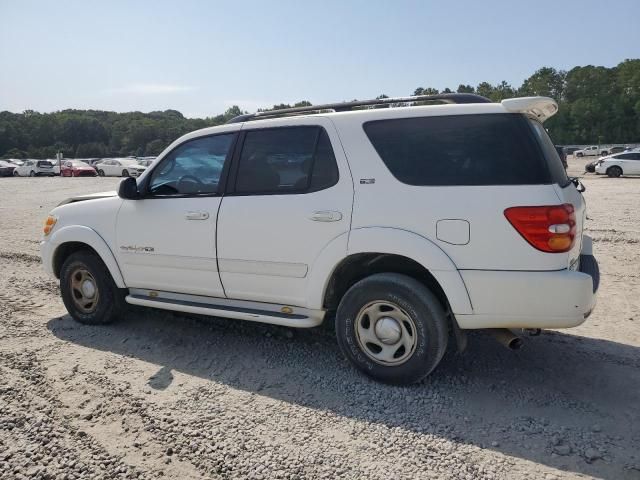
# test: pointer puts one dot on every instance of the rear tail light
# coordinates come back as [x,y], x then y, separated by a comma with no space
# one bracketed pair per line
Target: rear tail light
[549,228]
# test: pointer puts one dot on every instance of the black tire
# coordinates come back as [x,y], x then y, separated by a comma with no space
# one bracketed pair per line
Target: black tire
[32,173]
[109,302]
[125,173]
[15,173]
[614,172]
[101,173]
[579,155]
[416,301]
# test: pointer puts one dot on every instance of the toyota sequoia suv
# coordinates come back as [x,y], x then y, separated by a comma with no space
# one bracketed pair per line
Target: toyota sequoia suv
[405,225]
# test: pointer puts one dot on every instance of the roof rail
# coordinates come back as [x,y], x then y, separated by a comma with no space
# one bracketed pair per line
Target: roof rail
[346,106]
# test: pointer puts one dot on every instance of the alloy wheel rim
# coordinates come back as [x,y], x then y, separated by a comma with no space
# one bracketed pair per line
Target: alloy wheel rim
[84,290]
[386,333]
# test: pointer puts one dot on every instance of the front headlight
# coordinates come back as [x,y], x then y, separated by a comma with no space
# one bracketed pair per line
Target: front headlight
[49,223]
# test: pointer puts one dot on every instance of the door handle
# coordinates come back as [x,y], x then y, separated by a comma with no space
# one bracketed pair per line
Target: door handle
[196,215]
[326,216]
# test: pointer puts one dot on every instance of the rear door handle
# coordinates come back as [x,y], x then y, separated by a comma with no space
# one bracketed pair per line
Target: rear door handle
[326,216]
[196,215]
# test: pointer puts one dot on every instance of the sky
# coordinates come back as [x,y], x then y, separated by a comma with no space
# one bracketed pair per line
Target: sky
[200,57]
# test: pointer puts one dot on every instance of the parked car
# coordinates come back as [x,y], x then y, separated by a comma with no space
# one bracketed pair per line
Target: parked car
[591,152]
[627,163]
[571,150]
[76,168]
[291,218]
[119,167]
[145,162]
[616,149]
[35,168]
[6,168]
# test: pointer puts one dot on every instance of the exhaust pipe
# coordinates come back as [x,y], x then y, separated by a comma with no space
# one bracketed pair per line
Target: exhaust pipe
[506,337]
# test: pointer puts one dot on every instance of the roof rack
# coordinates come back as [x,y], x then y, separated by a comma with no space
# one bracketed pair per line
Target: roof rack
[346,106]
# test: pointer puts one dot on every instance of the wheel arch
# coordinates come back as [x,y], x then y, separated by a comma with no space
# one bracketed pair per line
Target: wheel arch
[74,238]
[380,249]
[610,167]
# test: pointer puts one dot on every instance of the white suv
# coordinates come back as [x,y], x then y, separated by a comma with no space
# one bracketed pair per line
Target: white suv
[35,168]
[406,224]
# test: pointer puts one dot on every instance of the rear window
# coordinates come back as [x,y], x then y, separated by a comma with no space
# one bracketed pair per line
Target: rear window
[484,149]
[45,164]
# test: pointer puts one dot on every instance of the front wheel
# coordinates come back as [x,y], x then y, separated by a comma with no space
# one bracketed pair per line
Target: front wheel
[392,328]
[614,171]
[15,173]
[88,291]
[101,173]
[579,155]
[125,173]
[32,173]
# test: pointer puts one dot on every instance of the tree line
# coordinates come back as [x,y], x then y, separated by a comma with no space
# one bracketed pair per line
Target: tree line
[597,105]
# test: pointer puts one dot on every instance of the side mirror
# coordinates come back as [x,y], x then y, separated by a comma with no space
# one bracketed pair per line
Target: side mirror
[128,189]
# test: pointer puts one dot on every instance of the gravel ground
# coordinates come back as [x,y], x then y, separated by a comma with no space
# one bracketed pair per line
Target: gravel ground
[167,395]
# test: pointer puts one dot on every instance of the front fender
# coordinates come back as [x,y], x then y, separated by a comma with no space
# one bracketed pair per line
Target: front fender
[390,241]
[88,236]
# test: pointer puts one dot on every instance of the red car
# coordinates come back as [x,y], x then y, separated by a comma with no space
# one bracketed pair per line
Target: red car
[76,168]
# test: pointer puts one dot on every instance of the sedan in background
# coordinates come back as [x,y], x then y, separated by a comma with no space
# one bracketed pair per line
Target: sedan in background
[119,167]
[35,168]
[6,168]
[76,168]
[627,163]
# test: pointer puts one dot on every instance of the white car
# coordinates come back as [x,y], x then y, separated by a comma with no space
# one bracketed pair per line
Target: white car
[400,224]
[119,167]
[626,163]
[35,168]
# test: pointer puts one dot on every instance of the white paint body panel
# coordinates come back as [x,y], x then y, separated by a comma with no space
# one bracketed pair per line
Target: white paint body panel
[267,243]
[183,258]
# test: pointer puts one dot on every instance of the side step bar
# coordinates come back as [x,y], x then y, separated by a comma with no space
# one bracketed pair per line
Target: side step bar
[294,320]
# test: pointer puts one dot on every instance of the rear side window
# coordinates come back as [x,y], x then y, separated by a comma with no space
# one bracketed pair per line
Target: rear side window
[554,163]
[286,160]
[484,149]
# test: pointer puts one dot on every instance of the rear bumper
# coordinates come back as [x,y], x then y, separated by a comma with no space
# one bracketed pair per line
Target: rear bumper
[559,299]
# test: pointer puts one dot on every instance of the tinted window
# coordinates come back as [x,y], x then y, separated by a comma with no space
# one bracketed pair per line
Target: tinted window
[286,160]
[625,156]
[192,168]
[485,149]
[554,163]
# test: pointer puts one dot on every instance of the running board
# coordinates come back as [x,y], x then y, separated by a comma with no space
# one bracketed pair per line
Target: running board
[295,320]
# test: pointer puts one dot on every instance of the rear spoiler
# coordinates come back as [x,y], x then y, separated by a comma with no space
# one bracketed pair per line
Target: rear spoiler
[540,108]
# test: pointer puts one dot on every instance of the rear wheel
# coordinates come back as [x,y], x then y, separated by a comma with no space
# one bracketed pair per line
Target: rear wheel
[579,155]
[88,291]
[392,328]
[15,173]
[614,171]
[101,173]
[32,173]
[125,173]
